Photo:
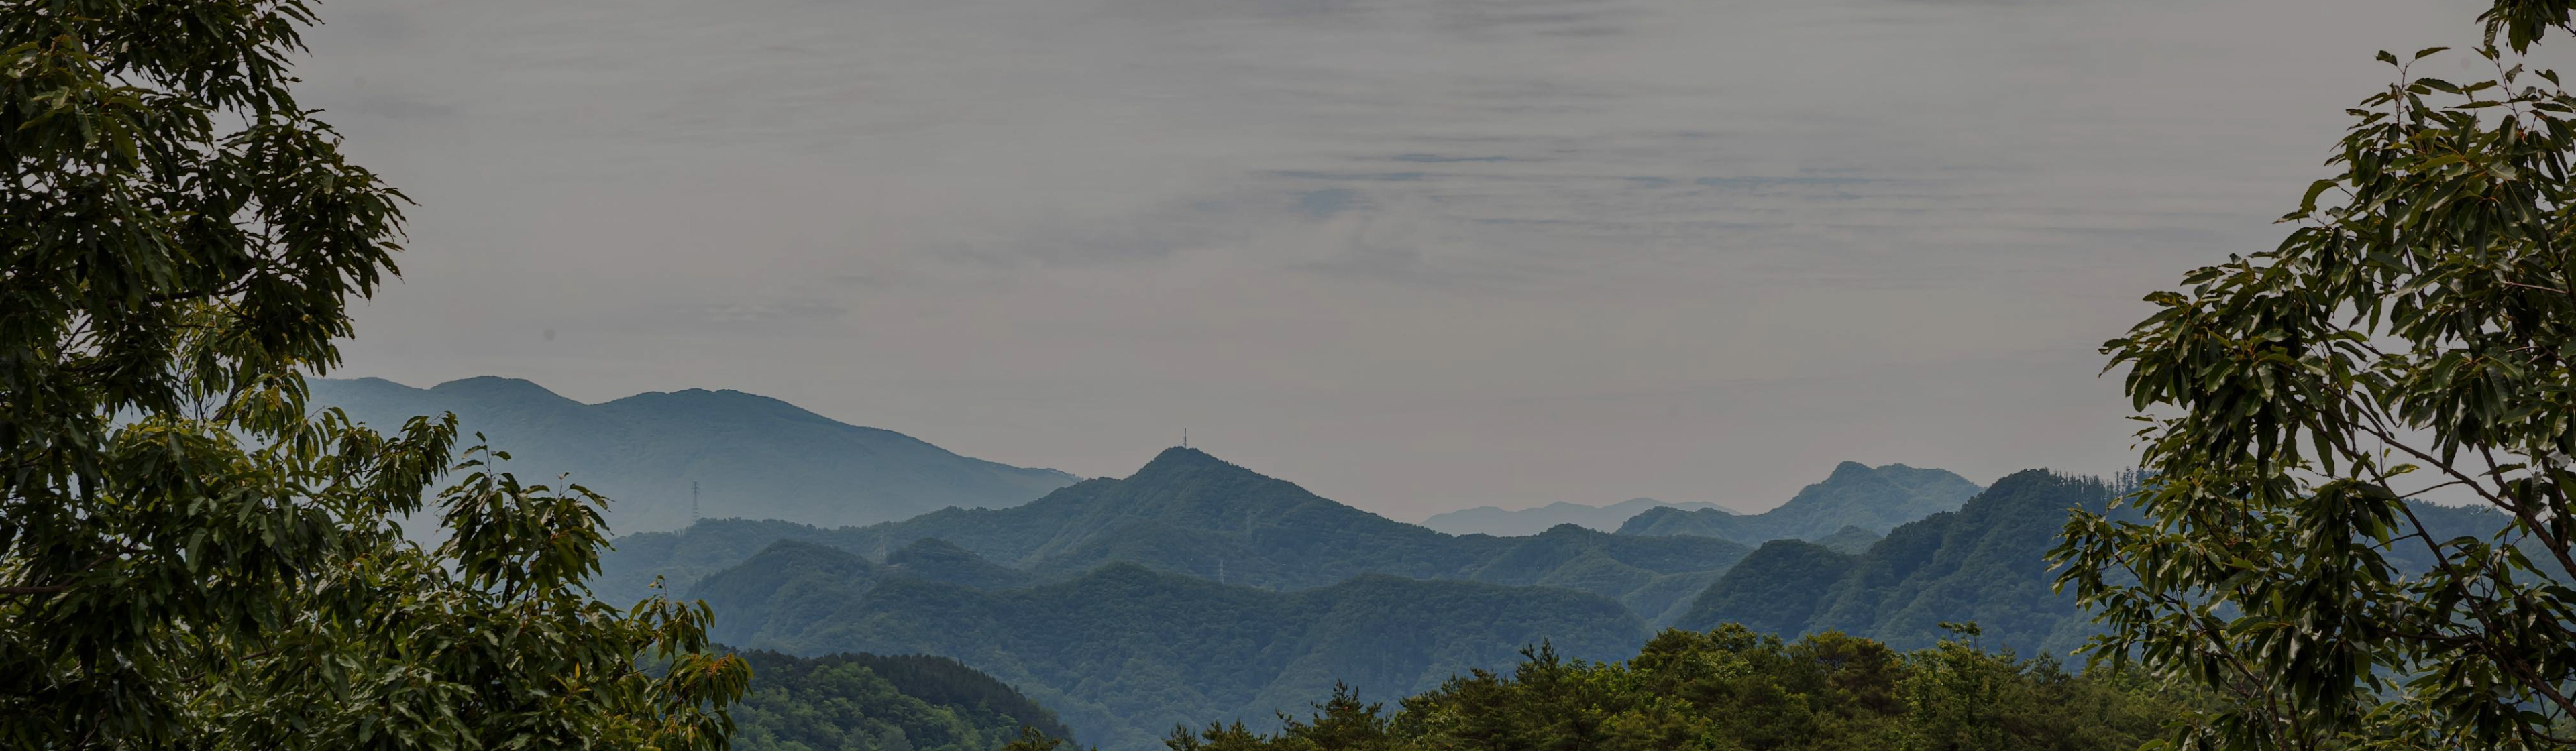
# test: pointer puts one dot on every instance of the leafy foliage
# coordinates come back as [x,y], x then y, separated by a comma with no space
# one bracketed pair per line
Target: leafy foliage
[221,572]
[864,702]
[1126,651]
[750,456]
[2414,334]
[1874,500]
[1730,689]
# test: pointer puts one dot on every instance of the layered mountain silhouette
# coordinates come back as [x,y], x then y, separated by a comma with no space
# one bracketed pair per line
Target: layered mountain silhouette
[1984,563]
[1492,520]
[1123,653]
[750,456]
[1192,514]
[1196,591]
[1855,495]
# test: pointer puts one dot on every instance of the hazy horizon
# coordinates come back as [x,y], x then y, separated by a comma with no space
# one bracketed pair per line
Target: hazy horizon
[1415,257]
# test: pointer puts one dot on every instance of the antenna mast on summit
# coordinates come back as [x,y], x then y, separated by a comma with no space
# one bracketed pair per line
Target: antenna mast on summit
[1185,438]
[693,501]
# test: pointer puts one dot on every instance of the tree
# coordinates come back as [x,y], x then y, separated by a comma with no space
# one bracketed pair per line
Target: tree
[2414,334]
[187,560]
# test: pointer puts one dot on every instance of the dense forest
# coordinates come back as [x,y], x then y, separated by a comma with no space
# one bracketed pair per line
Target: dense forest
[1734,690]
[1124,652]
[1190,513]
[865,702]
[1855,495]
[747,455]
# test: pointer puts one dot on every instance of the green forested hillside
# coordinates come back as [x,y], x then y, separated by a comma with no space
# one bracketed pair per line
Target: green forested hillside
[1850,540]
[1125,652]
[1875,500]
[1732,690]
[1190,513]
[1984,563]
[865,702]
[751,456]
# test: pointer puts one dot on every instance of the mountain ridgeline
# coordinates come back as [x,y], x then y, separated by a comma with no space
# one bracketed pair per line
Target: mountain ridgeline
[749,456]
[1196,591]
[1500,522]
[1192,514]
[1874,500]
[1984,563]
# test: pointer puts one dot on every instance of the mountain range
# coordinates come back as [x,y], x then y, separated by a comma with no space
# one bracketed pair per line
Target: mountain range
[1124,653]
[1855,495]
[1984,563]
[747,455]
[1501,522]
[1189,513]
[1197,591]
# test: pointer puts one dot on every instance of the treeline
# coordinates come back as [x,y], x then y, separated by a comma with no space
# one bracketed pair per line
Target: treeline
[1734,690]
[865,702]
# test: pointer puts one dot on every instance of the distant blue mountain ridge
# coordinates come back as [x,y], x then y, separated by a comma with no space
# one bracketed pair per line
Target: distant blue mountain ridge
[1871,500]
[750,456]
[1502,522]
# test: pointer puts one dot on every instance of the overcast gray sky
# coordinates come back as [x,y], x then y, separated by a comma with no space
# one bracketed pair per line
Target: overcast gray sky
[1413,254]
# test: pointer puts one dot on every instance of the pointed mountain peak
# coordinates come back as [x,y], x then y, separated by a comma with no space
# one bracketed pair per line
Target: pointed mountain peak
[1185,459]
[1848,471]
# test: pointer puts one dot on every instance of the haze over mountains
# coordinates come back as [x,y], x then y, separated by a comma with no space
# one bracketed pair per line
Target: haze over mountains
[1123,653]
[1196,590]
[1856,495]
[1190,513]
[1493,520]
[1985,562]
[750,456]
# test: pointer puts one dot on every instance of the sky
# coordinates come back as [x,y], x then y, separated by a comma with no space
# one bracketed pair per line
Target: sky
[1415,255]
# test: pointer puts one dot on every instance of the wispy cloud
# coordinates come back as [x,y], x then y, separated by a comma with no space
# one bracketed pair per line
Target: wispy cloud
[1281,215]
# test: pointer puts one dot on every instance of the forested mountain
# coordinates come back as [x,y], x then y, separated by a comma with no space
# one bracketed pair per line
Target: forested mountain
[1855,495]
[751,456]
[1125,652]
[865,702]
[1732,690]
[1190,513]
[1984,563]
[1850,539]
[1500,522]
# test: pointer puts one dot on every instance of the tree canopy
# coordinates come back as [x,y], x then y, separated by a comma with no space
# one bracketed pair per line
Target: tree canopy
[1733,690]
[189,560]
[2414,334]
